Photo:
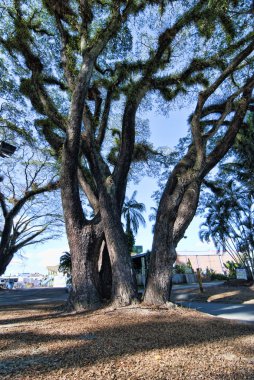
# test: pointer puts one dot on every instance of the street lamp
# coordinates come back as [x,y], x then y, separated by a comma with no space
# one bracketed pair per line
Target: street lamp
[6,150]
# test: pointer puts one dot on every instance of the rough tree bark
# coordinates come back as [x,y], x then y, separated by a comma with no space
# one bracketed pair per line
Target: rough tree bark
[174,216]
[85,248]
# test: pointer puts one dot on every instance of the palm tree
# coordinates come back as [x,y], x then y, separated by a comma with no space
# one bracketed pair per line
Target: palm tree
[132,213]
[230,224]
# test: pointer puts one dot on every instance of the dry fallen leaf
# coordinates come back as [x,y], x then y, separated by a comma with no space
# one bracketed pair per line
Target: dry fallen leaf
[135,344]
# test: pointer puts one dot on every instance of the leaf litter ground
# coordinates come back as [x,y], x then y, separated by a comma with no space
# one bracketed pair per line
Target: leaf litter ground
[40,342]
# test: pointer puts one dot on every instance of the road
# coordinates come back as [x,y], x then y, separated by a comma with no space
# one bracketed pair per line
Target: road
[19,297]
[47,295]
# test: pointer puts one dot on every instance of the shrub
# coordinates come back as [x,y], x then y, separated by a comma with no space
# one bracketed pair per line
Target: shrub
[219,277]
[181,268]
[231,267]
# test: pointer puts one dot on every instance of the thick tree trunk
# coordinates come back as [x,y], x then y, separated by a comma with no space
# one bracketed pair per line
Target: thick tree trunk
[6,243]
[162,258]
[85,247]
[175,213]
[124,286]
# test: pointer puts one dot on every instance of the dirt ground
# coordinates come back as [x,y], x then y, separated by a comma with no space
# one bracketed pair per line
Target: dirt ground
[41,342]
[221,293]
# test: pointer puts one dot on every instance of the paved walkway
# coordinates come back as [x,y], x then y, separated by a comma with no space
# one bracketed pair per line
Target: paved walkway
[229,311]
[196,285]
[241,312]
[180,295]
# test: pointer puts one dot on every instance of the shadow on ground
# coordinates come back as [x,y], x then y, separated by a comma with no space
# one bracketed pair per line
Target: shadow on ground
[39,313]
[55,345]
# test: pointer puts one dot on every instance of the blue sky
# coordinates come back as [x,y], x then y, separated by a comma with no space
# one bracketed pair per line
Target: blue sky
[165,131]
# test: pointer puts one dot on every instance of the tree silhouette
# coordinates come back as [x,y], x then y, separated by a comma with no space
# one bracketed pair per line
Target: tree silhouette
[132,213]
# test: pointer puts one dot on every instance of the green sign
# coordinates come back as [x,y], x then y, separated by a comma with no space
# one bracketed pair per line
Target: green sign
[137,249]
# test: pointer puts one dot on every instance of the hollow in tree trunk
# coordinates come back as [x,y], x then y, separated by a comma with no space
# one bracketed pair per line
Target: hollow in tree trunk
[105,273]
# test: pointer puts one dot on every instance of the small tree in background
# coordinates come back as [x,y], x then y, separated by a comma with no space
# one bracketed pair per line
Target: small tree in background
[65,263]
[65,266]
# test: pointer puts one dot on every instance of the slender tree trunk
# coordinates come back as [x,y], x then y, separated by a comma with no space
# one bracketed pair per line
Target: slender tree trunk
[5,260]
[124,288]
[85,247]
[163,256]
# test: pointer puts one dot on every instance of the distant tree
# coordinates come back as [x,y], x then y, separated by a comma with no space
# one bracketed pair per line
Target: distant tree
[231,267]
[229,224]
[130,240]
[30,215]
[65,263]
[132,213]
